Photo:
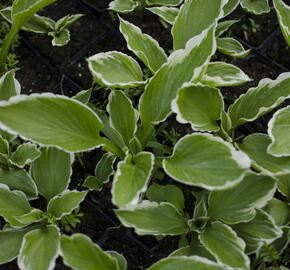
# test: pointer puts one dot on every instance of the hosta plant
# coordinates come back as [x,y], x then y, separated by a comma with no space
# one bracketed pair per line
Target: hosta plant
[30,231]
[22,15]
[44,25]
[235,213]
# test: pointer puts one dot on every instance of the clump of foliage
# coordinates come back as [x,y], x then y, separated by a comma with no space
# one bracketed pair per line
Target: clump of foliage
[236,221]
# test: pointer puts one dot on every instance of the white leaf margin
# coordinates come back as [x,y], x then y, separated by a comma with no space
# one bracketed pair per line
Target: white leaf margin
[52,262]
[263,82]
[270,128]
[139,31]
[100,77]
[20,98]
[179,116]
[240,158]
[118,173]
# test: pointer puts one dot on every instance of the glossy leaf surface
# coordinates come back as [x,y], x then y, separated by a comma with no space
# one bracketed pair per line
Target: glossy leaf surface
[279,130]
[51,172]
[145,47]
[255,146]
[24,154]
[199,105]
[17,179]
[182,66]
[205,14]
[131,178]
[9,86]
[224,244]
[257,231]
[39,249]
[283,14]
[153,218]
[238,203]
[185,263]
[167,193]
[79,252]
[232,47]
[223,74]
[22,11]
[115,69]
[256,7]
[65,203]
[123,116]
[12,203]
[206,161]
[53,121]
[168,14]
[259,100]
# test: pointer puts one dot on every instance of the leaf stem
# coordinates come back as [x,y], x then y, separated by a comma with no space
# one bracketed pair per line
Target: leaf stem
[147,133]
[110,147]
[5,47]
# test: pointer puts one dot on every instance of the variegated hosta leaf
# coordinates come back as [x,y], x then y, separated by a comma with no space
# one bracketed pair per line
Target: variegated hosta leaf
[167,193]
[39,249]
[206,13]
[230,6]
[22,11]
[255,146]
[279,210]
[283,185]
[123,6]
[223,74]
[238,203]
[83,96]
[24,154]
[206,161]
[199,105]
[260,100]
[52,120]
[186,263]
[168,14]
[60,38]
[195,248]
[65,203]
[123,116]
[79,252]
[153,218]
[121,261]
[279,130]
[223,27]
[143,46]
[51,172]
[4,147]
[224,244]
[232,47]
[17,179]
[9,86]
[256,7]
[131,178]
[164,2]
[7,136]
[113,135]
[257,231]
[182,66]
[12,204]
[283,14]
[280,244]
[115,69]
[103,171]
[33,217]
[10,242]
[36,24]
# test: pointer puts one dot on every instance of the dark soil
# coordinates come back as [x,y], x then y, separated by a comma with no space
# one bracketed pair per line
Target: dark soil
[64,70]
